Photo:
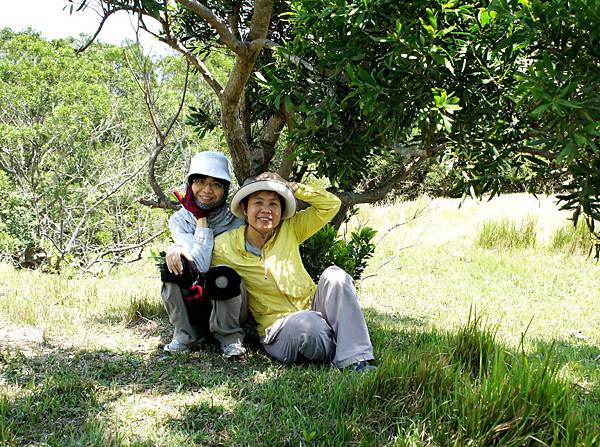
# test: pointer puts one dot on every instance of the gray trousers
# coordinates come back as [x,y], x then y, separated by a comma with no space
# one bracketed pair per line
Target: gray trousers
[226,318]
[334,330]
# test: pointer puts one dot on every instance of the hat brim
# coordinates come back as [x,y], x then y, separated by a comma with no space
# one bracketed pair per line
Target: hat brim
[210,164]
[264,185]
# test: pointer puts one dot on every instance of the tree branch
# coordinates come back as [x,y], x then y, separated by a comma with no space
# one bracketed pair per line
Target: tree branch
[234,21]
[230,101]
[379,192]
[285,169]
[107,11]
[159,147]
[160,203]
[261,19]
[197,63]
[88,211]
[122,249]
[259,27]
[227,36]
[257,44]
[161,136]
[268,140]
[537,152]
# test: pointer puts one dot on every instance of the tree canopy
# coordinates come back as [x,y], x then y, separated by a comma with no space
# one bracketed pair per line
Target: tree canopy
[365,93]
[75,145]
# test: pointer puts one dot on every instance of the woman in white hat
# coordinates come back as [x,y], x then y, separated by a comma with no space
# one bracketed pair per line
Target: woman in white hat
[204,209]
[297,320]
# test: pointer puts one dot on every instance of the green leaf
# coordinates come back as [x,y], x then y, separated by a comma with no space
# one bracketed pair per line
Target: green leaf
[261,77]
[448,65]
[568,104]
[483,17]
[539,110]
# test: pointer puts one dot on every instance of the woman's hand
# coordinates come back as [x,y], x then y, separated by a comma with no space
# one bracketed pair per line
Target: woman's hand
[274,176]
[173,259]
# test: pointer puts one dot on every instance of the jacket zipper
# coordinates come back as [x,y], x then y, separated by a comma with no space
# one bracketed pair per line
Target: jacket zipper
[262,258]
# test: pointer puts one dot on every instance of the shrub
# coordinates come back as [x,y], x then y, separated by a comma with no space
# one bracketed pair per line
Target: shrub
[327,248]
[505,233]
[16,219]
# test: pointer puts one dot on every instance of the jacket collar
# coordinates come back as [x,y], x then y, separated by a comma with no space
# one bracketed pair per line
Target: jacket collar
[240,238]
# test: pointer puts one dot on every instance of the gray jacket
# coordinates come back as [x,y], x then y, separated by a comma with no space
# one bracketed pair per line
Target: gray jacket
[199,241]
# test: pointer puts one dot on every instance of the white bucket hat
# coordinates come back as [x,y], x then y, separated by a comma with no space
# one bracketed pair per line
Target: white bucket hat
[252,185]
[211,164]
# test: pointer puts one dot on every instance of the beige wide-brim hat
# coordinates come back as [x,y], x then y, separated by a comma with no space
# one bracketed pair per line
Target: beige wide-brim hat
[252,185]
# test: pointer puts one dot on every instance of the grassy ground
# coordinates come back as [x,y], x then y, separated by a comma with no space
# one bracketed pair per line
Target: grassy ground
[476,346]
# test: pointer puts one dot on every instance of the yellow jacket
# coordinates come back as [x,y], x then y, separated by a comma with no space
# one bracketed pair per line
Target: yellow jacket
[277,283]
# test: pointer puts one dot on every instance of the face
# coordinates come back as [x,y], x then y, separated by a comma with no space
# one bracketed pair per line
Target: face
[208,191]
[263,211]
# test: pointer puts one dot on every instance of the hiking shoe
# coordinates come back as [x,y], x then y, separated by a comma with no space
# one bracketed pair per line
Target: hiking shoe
[177,346]
[363,366]
[233,350]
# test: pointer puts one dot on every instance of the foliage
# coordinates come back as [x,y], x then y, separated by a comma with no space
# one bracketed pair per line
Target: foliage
[74,142]
[16,219]
[415,80]
[505,91]
[559,89]
[327,248]
[502,92]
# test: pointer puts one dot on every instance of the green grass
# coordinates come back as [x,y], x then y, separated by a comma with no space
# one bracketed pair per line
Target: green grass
[506,234]
[572,239]
[476,346]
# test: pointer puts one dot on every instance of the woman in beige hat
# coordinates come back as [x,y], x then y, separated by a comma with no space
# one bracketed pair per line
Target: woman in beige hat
[297,319]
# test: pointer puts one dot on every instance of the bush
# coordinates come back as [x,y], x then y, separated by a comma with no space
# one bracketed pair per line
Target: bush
[327,248]
[439,181]
[506,234]
[16,219]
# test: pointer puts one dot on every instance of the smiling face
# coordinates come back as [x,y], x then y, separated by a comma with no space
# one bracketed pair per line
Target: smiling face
[208,191]
[263,211]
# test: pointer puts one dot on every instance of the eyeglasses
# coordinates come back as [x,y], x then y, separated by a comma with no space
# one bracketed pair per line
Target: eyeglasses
[206,182]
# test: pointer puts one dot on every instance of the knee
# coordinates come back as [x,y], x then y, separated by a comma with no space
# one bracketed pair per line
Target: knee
[306,324]
[315,338]
[334,275]
[338,284]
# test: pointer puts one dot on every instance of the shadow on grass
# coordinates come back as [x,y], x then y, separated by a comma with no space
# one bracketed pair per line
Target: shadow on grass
[64,396]
[56,394]
[582,361]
